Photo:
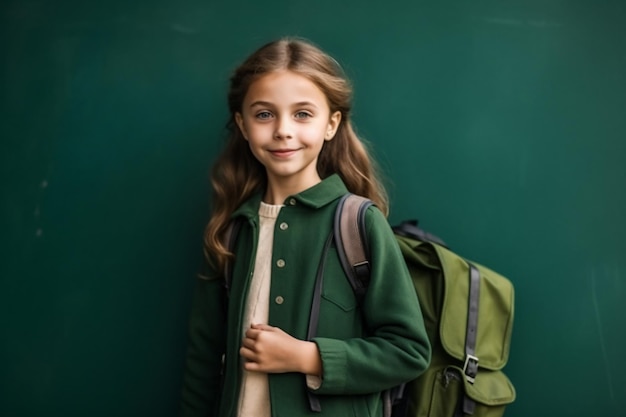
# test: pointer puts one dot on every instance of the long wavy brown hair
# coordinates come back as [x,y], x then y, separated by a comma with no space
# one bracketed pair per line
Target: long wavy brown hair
[237,174]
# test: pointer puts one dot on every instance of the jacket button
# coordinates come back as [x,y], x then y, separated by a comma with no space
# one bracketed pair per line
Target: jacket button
[292,201]
[280,263]
[283,226]
[279,300]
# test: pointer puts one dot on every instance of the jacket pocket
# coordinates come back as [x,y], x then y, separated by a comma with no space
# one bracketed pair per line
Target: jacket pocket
[336,288]
[340,316]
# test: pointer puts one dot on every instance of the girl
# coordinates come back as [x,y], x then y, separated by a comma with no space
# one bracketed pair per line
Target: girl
[291,155]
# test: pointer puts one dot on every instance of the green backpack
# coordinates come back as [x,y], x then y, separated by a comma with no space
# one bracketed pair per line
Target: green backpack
[468,314]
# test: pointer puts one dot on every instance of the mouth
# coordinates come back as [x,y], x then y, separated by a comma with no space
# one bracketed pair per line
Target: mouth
[283,153]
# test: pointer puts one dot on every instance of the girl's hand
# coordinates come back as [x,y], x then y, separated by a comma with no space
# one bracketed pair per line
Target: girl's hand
[271,350]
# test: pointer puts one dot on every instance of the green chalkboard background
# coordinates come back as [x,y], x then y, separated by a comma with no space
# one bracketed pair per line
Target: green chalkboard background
[500,124]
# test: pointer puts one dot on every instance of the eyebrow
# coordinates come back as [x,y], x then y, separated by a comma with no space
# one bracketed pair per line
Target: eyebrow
[268,104]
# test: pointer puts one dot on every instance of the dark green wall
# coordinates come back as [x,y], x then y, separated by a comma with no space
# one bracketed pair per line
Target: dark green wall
[501,125]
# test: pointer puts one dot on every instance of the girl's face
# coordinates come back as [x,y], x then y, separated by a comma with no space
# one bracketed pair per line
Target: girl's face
[286,119]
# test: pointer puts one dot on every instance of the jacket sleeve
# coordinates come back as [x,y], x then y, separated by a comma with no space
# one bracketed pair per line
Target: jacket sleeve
[202,380]
[396,348]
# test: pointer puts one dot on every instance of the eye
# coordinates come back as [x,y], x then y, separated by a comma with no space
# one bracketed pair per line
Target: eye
[303,115]
[263,115]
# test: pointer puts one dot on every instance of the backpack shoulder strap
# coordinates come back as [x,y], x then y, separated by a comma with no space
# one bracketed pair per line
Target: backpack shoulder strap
[352,247]
[351,241]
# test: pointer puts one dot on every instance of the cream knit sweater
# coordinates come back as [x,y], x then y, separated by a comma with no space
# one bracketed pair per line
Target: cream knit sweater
[254,399]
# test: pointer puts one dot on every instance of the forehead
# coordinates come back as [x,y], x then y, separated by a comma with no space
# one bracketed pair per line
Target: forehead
[284,88]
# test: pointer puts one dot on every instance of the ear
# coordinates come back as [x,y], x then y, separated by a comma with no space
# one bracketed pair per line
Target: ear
[242,128]
[333,124]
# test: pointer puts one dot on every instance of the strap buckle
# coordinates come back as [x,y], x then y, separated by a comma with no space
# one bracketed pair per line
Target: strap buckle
[470,368]
[362,269]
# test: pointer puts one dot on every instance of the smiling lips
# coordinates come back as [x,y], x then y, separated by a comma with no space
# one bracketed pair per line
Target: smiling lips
[283,153]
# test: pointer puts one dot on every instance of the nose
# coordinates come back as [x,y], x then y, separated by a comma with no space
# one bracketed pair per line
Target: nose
[283,128]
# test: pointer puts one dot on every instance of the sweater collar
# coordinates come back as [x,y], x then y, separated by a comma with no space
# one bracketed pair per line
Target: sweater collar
[321,194]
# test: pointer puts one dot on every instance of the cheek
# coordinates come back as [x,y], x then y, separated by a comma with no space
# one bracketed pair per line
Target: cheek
[257,131]
[255,148]
[315,132]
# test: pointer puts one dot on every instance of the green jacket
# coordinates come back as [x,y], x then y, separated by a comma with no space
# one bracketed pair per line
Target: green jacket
[364,350]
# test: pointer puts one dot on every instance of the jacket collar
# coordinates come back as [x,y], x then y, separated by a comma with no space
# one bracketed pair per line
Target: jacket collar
[321,194]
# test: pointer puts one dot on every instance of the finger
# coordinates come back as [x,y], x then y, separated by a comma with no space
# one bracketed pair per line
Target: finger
[253,333]
[248,354]
[262,327]
[248,343]
[252,366]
